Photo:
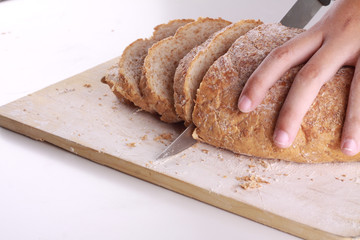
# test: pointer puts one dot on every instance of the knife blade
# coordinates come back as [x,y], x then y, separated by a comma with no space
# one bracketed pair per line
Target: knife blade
[298,16]
[302,12]
[182,142]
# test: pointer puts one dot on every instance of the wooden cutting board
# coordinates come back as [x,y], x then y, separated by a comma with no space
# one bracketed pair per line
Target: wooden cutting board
[81,115]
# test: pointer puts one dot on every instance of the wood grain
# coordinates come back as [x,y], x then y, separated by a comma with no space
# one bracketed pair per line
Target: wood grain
[80,115]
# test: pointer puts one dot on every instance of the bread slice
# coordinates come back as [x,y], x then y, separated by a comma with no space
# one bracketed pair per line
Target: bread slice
[111,77]
[219,122]
[163,57]
[132,59]
[194,65]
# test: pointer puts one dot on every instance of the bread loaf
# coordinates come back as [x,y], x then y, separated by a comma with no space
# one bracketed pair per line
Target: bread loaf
[157,80]
[194,65]
[131,62]
[219,122]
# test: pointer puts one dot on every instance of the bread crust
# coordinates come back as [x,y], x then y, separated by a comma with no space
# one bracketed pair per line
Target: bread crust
[219,122]
[162,60]
[194,65]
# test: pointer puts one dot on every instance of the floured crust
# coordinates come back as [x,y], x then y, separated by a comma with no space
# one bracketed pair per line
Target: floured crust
[194,65]
[156,82]
[219,122]
[131,62]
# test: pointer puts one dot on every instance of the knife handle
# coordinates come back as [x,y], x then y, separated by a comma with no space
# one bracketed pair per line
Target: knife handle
[325,2]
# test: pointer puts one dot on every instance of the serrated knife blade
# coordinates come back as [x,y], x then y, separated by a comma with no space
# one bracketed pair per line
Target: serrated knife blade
[182,142]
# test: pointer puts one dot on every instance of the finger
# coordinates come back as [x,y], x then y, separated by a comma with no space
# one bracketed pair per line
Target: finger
[350,140]
[291,53]
[307,83]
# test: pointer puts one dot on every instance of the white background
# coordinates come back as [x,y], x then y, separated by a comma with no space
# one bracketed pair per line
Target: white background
[48,193]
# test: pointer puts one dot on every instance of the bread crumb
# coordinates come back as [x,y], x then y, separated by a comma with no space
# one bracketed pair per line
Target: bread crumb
[66,90]
[131,144]
[340,179]
[143,138]
[264,164]
[163,138]
[195,145]
[87,85]
[251,182]
[205,151]
[251,166]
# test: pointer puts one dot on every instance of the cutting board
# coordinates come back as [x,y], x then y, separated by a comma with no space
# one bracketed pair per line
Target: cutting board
[81,115]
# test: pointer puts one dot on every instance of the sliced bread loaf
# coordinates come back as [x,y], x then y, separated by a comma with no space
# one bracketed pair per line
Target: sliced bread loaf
[219,122]
[194,65]
[132,59]
[163,57]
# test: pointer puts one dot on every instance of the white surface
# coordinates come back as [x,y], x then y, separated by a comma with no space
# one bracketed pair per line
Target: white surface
[47,193]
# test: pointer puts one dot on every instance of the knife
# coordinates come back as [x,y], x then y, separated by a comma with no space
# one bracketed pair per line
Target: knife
[182,142]
[298,16]
[302,12]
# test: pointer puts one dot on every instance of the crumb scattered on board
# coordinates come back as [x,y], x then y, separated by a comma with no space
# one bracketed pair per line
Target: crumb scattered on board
[87,85]
[205,151]
[131,144]
[66,90]
[164,138]
[251,182]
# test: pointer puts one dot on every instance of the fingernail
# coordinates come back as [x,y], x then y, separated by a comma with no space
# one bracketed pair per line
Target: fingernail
[244,104]
[349,147]
[281,138]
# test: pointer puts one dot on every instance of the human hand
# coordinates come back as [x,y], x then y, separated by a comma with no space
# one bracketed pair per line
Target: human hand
[327,46]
